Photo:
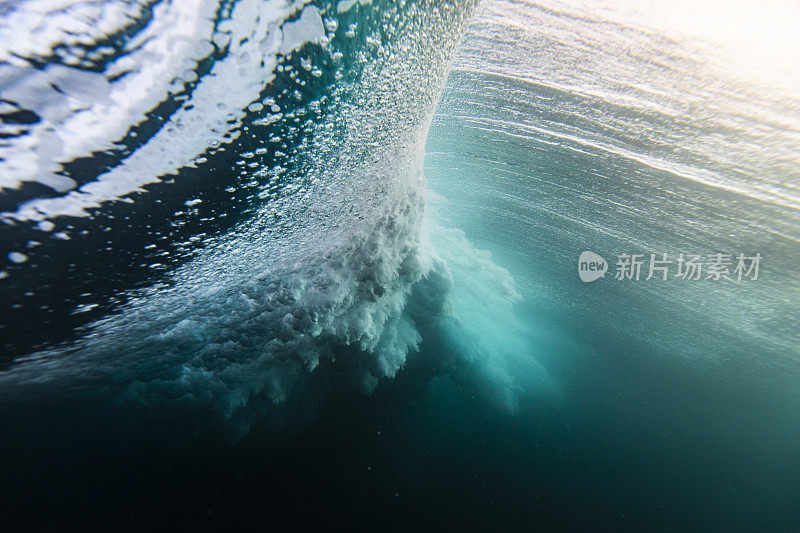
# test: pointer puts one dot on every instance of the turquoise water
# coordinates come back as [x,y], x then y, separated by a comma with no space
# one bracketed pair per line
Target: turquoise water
[316,264]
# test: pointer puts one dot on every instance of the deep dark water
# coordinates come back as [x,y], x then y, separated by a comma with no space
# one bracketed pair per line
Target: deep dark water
[635,446]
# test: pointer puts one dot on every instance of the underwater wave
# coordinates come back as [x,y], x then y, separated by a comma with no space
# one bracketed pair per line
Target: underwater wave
[287,149]
[225,223]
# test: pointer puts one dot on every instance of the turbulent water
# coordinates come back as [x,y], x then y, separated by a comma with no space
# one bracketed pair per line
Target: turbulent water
[280,263]
[313,153]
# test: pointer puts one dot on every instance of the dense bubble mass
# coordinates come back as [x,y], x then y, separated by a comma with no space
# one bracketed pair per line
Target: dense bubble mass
[280,130]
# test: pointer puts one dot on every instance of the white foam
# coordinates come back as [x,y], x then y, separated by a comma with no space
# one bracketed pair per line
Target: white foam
[306,29]
[251,61]
[81,111]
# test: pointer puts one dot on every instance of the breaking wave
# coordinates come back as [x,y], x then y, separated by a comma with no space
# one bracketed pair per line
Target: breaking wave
[261,163]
